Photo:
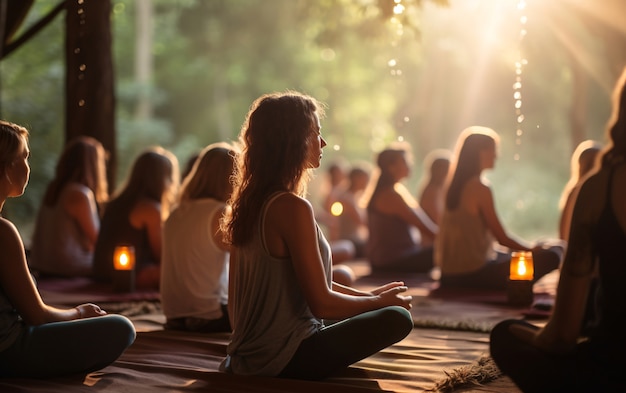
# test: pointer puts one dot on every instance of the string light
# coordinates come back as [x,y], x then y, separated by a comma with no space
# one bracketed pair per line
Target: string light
[398,32]
[517,86]
[82,67]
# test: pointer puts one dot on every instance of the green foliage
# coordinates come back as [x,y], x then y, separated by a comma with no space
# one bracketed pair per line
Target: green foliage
[421,76]
[32,94]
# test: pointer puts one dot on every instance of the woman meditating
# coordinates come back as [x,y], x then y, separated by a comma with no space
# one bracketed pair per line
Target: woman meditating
[432,191]
[582,162]
[562,357]
[281,289]
[395,219]
[470,227]
[37,340]
[69,217]
[194,269]
[135,215]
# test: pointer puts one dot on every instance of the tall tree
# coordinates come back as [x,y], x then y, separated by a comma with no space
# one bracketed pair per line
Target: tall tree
[89,87]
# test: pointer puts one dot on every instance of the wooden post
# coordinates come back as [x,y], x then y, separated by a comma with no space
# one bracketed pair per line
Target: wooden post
[89,87]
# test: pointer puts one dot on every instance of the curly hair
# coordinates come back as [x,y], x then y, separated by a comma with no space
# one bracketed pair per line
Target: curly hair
[274,139]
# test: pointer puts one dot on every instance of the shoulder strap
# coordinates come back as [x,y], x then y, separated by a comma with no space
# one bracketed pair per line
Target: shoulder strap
[264,208]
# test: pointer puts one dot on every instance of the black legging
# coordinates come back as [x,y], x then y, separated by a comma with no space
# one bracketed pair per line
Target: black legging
[339,345]
[587,369]
[71,347]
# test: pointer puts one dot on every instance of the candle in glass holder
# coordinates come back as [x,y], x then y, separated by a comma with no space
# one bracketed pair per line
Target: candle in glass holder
[521,274]
[124,269]
[522,267]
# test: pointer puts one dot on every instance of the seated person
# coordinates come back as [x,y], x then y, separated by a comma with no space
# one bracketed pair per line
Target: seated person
[352,219]
[562,356]
[582,162]
[336,176]
[38,340]
[393,216]
[342,249]
[464,248]
[431,193]
[194,269]
[68,221]
[281,289]
[134,217]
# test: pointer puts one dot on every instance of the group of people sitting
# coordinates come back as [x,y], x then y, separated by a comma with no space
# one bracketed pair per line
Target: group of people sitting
[451,230]
[242,219]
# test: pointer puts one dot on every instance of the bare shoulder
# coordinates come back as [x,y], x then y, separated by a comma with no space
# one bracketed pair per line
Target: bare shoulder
[77,188]
[477,188]
[6,227]
[478,184]
[76,193]
[388,196]
[145,211]
[147,206]
[287,205]
[592,193]
[9,236]
[288,217]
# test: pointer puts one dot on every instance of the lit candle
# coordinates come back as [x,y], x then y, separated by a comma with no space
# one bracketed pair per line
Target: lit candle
[521,274]
[124,258]
[522,267]
[124,269]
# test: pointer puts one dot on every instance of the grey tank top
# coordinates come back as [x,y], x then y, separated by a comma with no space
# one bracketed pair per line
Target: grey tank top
[271,316]
[60,247]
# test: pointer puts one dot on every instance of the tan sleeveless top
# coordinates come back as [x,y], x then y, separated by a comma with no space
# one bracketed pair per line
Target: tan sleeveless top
[463,244]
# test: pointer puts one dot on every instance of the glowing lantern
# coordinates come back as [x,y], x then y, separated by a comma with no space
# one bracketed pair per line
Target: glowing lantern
[522,267]
[521,274]
[124,269]
[124,258]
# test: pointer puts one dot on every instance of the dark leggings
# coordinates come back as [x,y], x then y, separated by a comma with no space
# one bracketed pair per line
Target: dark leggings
[495,274]
[64,348]
[587,369]
[339,345]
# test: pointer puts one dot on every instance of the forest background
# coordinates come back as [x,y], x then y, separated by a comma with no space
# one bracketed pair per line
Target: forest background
[186,72]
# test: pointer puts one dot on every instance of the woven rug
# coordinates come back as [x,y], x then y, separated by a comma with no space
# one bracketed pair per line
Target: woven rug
[433,313]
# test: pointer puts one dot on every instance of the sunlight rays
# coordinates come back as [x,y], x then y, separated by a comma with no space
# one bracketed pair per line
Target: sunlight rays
[494,15]
[588,55]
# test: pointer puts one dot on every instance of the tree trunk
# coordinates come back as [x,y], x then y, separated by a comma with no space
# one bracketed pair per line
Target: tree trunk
[89,85]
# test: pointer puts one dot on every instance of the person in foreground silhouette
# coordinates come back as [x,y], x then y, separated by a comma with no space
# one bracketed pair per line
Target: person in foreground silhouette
[568,354]
[38,340]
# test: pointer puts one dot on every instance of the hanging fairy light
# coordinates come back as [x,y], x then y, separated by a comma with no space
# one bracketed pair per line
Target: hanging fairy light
[82,67]
[398,32]
[520,63]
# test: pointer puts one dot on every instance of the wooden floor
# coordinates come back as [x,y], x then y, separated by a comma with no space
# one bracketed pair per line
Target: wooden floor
[451,333]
